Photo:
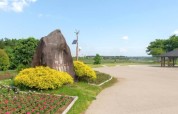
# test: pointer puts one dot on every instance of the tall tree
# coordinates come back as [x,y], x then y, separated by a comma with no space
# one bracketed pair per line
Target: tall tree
[156,47]
[171,43]
[24,50]
[2,44]
[160,46]
[9,47]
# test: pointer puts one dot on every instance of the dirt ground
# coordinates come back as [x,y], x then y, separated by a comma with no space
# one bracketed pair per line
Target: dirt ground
[141,90]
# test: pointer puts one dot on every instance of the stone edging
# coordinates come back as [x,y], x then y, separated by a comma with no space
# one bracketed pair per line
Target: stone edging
[102,82]
[71,104]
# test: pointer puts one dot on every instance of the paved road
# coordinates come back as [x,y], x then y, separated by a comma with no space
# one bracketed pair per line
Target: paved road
[140,90]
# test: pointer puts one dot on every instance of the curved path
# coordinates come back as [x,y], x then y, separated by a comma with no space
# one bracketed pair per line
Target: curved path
[140,90]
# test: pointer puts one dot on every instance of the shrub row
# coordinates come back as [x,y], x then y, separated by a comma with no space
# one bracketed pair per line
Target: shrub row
[42,78]
[47,78]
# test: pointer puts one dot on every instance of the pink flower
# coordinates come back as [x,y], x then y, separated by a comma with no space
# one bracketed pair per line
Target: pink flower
[28,113]
[7,112]
[6,101]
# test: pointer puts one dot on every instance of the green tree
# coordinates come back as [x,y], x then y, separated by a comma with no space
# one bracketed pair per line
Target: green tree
[8,45]
[24,50]
[160,46]
[1,44]
[171,43]
[9,51]
[4,60]
[156,47]
[97,59]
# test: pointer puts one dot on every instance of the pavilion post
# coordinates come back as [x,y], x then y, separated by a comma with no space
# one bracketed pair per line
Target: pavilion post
[161,62]
[168,62]
[173,61]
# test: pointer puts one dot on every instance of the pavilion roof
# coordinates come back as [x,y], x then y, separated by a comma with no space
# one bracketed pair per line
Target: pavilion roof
[173,53]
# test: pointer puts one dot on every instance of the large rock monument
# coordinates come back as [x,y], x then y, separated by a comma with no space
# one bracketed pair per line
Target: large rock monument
[54,52]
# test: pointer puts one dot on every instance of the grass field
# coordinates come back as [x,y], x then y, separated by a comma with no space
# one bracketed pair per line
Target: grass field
[119,61]
[120,64]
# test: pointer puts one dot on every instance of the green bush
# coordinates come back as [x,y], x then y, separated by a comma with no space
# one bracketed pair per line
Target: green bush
[42,78]
[21,67]
[24,51]
[4,60]
[83,71]
[97,59]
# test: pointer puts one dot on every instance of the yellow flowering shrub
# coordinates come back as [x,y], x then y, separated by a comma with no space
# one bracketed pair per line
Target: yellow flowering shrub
[42,78]
[83,70]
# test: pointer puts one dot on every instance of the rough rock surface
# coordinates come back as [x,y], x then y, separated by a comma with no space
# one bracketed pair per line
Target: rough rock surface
[54,52]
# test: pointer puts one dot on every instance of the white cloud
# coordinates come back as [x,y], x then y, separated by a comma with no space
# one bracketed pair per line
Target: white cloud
[175,32]
[15,5]
[3,4]
[125,38]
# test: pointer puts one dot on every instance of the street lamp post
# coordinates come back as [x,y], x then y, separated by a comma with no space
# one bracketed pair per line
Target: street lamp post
[77,32]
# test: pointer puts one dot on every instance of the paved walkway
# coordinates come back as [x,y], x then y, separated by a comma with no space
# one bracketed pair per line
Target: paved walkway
[140,90]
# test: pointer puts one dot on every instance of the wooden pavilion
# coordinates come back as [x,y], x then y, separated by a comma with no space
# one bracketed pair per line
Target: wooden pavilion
[170,57]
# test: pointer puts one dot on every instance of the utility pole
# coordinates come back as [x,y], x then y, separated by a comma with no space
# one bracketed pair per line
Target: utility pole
[77,32]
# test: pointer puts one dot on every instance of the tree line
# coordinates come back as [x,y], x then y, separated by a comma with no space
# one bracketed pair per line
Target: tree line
[160,46]
[20,51]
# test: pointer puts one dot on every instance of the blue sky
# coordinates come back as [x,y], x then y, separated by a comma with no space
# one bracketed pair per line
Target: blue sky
[107,27]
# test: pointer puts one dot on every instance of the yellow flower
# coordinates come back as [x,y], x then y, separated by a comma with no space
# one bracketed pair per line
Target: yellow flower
[83,70]
[42,78]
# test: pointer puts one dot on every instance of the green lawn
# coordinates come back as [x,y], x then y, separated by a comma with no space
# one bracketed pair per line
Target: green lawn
[100,78]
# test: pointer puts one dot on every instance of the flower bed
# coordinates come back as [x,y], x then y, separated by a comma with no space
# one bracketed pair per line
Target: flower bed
[31,103]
